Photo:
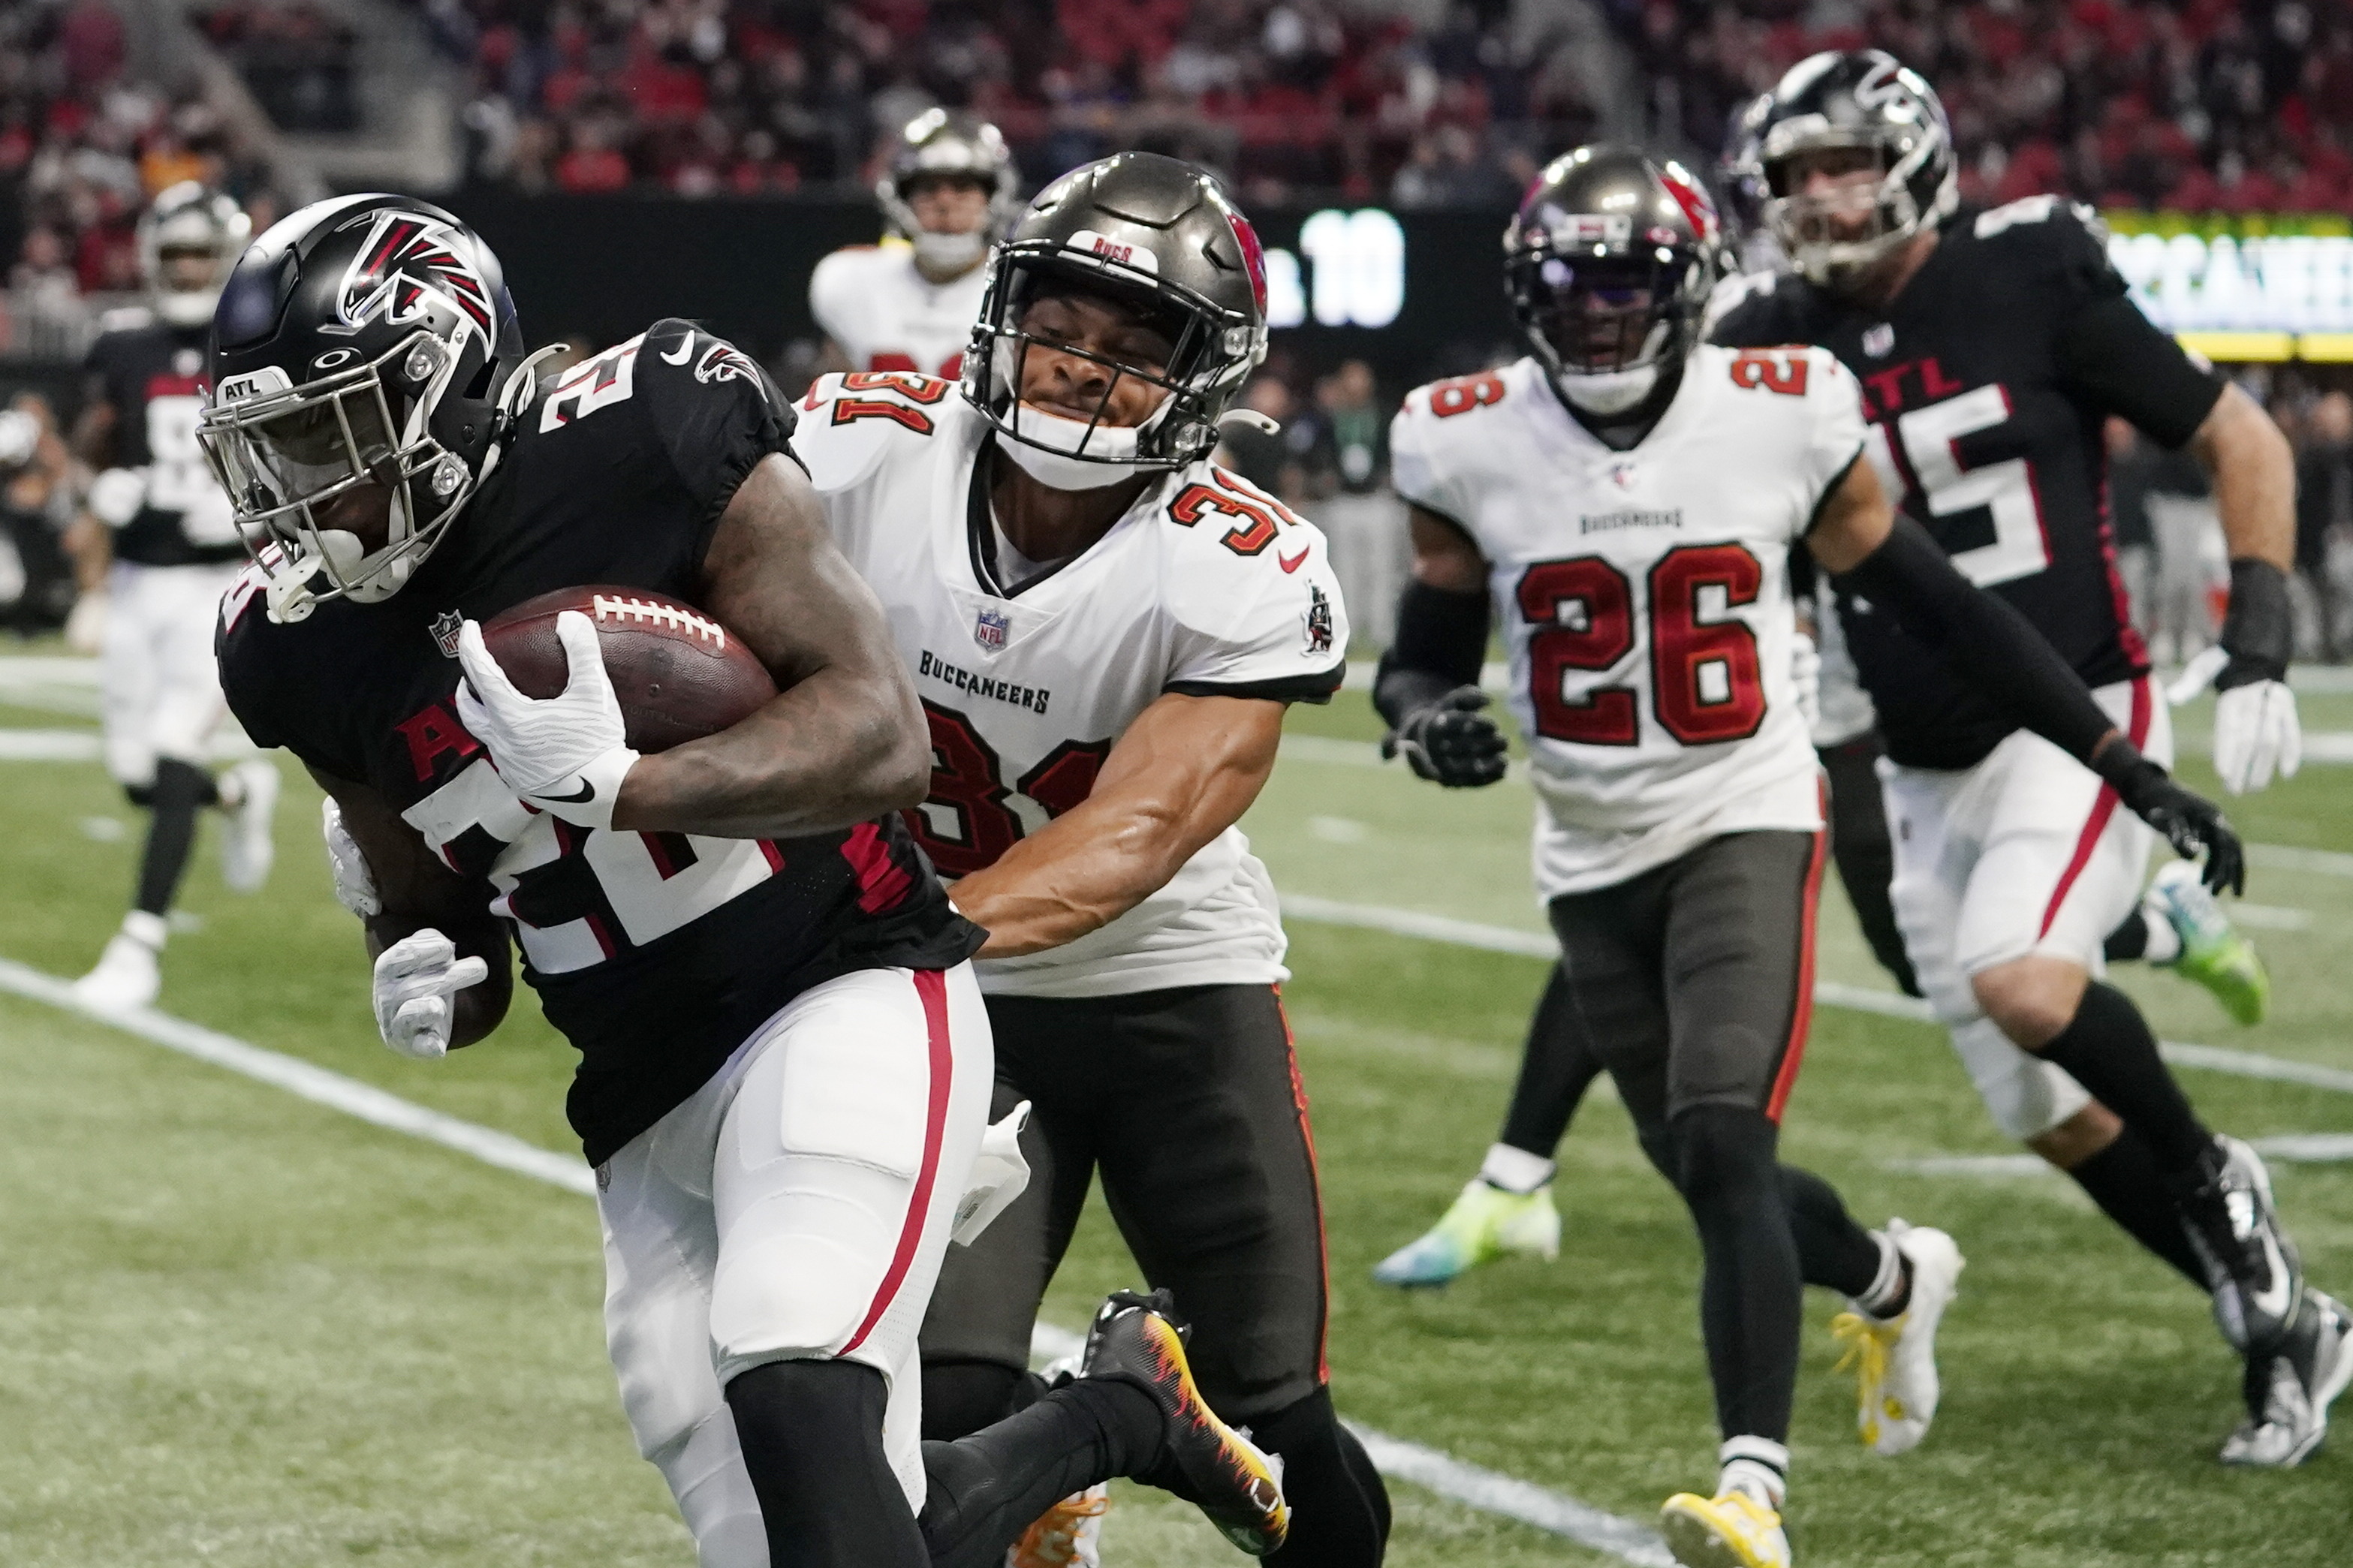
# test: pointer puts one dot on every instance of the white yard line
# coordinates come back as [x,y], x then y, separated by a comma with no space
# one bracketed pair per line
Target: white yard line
[1487,1490]
[48,746]
[2282,1148]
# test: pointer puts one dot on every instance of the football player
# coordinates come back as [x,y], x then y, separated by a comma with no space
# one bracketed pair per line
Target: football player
[155,514]
[1991,346]
[947,194]
[1105,629]
[784,1063]
[1629,497]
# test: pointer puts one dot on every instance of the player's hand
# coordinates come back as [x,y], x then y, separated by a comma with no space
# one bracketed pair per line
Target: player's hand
[566,754]
[2255,734]
[414,979]
[354,884]
[1805,668]
[1451,741]
[2190,823]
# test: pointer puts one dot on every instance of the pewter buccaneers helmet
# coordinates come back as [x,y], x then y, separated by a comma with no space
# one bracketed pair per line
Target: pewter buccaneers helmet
[187,220]
[1153,231]
[1861,99]
[937,145]
[363,340]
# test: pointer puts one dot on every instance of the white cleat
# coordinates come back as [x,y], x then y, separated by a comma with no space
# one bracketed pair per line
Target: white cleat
[2289,1391]
[250,794]
[128,975]
[1066,1535]
[1894,1359]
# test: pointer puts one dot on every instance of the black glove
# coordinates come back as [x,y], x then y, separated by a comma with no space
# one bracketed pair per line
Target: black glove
[2188,820]
[1451,741]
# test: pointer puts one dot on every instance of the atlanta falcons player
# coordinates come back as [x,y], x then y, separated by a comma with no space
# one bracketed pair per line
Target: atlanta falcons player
[948,192]
[786,1065]
[156,515]
[1627,497]
[1991,346]
[1105,629]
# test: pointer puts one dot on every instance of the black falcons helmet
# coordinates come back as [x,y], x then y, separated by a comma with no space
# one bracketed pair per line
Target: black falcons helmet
[1162,234]
[939,145]
[1609,262]
[363,339]
[1866,101]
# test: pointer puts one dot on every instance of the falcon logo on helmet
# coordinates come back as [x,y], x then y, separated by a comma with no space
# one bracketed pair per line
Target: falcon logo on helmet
[406,257]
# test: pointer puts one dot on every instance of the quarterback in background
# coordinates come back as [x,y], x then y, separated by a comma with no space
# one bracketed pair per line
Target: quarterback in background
[947,194]
[1629,496]
[156,514]
[1105,629]
[1991,347]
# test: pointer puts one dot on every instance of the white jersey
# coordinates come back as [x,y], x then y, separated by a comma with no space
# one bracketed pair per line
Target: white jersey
[885,315]
[1207,586]
[1644,593]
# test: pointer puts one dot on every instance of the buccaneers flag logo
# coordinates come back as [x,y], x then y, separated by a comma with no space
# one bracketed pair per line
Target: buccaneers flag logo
[407,262]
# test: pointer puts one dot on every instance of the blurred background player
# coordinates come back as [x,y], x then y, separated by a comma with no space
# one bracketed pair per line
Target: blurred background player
[1991,346]
[948,192]
[167,539]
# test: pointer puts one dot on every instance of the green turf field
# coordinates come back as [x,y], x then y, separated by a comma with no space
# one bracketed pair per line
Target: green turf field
[244,1330]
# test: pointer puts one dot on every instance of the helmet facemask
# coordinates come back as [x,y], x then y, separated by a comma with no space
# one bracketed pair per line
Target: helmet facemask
[1818,230]
[1606,326]
[186,244]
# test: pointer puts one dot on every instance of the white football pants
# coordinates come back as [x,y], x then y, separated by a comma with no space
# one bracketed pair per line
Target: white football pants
[796,1208]
[2028,852]
[160,688]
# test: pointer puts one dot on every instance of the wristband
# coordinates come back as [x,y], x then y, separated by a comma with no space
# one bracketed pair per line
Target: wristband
[2258,630]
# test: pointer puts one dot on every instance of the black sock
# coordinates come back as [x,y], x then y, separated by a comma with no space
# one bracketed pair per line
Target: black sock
[960,1397]
[812,1438]
[1340,1509]
[2125,1181]
[180,790]
[987,1488]
[1750,1287]
[2128,940]
[1832,1250]
[2108,1049]
[1556,1069]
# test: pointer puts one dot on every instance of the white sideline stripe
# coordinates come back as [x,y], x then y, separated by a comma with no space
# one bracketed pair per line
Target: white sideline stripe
[2286,1148]
[1448,1477]
[48,746]
[1827,993]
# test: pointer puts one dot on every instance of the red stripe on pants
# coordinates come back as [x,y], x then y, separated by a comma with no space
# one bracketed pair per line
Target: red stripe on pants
[1316,1177]
[931,985]
[1802,1017]
[2104,807]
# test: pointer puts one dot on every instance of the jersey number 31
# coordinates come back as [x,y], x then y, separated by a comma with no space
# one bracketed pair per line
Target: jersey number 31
[1704,679]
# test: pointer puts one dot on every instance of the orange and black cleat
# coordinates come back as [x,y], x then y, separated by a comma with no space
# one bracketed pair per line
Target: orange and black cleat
[1139,1340]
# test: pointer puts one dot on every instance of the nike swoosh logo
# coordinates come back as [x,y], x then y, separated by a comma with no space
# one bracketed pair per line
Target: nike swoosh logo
[2273,1302]
[586,793]
[684,349]
[1290,563]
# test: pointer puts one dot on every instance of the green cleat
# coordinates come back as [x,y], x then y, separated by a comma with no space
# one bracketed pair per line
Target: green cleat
[2214,954]
[1484,1224]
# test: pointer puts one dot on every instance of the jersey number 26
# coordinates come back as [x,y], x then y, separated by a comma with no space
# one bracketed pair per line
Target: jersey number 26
[1705,682]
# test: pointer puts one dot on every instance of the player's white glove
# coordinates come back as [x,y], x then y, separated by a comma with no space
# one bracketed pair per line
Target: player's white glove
[414,979]
[86,623]
[567,754]
[2256,733]
[354,885]
[116,495]
[1806,669]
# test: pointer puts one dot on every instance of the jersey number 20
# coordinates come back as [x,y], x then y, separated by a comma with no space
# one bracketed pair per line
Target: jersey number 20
[1705,682]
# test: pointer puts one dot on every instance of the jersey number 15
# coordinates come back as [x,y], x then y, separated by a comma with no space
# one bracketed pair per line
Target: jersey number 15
[1705,682]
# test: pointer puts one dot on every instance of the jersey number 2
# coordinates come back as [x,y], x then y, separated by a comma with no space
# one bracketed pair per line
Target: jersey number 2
[1706,681]
[971,816]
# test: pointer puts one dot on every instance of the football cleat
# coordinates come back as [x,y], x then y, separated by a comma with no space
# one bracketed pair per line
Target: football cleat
[1484,1222]
[1066,1535]
[1730,1530]
[247,849]
[2289,1391]
[2213,952]
[1894,1359]
[128,975]
[1138,1338]
[2251,1265]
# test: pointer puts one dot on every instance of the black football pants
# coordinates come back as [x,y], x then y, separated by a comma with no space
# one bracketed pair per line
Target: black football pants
[1188,1104]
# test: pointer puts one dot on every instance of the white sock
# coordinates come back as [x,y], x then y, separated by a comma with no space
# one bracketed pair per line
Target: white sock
[1514,1170]
[2164,941]
[147,931]
[1888,1283]
[1757,1466]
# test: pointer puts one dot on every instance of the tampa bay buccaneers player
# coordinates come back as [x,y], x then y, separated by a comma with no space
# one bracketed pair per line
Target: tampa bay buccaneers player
[947,194]
[1105,629]
[1990,346]
[1627,497]
[784,1063]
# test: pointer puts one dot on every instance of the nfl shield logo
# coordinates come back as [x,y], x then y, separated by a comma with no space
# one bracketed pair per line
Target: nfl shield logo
[1878,340]
[989,630]
[1621,473]
[445,632]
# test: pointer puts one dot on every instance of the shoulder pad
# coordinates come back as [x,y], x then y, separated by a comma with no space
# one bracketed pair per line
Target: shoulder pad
[849,419]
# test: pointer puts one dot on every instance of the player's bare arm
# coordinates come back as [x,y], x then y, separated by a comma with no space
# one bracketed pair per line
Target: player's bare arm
[843,741]
[416,893]
[1427,686]
[2254,471]
[1183,772]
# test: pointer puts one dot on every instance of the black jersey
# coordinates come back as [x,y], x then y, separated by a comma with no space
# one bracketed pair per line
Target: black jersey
[1987,382]
[152,375]
[656,953]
